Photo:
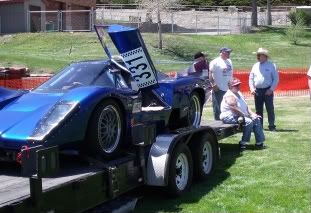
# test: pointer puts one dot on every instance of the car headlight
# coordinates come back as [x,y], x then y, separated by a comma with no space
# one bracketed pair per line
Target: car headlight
[52,119]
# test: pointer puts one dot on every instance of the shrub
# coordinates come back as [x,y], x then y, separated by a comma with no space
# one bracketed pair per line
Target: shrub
[181,48]
[296,30]
[301,16]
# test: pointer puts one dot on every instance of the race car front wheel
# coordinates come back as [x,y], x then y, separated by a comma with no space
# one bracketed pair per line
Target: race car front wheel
[105,131]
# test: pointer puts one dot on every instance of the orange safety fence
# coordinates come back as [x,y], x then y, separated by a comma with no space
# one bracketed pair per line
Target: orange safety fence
[292,82]
[23,83]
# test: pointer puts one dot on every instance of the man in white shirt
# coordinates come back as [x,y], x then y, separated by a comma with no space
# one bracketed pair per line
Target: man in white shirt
[263,80]
[309,81]
[234,107]
[221,71]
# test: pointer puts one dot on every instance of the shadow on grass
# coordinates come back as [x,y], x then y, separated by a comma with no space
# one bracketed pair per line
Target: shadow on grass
[156,200]
[303,45]
[283,130]
[269,29]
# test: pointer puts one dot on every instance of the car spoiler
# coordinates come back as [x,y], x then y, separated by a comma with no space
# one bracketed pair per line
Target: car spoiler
[133,51]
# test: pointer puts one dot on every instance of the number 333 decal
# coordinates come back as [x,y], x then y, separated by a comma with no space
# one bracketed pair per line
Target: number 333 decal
[137,63]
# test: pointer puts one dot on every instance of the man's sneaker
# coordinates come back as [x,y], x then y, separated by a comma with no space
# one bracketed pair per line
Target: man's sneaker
[261,146]
[272,129]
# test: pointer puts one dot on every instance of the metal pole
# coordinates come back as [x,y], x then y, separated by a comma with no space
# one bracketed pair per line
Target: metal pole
[218,25]
[61,20]
[58,21]
[28,21]
[103,15]
[172,21]
[230,25]
[196,23]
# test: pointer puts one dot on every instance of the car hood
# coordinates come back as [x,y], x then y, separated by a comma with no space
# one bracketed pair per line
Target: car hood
[19,118]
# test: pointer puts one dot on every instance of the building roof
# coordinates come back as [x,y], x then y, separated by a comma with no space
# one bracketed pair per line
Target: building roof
[89,3]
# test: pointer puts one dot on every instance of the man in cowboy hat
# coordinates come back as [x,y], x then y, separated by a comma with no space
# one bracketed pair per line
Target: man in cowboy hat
[263,80]
[221,71]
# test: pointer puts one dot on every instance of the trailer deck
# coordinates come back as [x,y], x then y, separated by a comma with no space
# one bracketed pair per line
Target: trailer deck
[15,187]
[77,181]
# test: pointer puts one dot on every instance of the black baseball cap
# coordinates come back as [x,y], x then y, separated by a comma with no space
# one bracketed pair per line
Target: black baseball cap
[198,55]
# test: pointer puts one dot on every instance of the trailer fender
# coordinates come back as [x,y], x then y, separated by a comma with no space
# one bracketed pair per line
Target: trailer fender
[161,150]
[158,159]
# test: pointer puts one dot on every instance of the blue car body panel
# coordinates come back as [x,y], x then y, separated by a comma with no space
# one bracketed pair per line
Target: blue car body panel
[70,97]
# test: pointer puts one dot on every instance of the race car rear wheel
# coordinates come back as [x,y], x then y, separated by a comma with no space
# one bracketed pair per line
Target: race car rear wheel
[105,132]
[195,110]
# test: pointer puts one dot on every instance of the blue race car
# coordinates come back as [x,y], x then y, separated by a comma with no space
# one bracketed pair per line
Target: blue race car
[93,106]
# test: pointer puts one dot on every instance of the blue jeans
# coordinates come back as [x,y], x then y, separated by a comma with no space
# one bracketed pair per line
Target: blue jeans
[249,126]
[260,100]
[217,98]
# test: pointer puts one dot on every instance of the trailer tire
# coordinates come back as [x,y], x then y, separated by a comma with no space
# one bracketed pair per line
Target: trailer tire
[180,171]
[204,157]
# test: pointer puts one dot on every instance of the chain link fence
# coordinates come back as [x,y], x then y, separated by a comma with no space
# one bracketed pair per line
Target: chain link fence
[208,20]
[177,21]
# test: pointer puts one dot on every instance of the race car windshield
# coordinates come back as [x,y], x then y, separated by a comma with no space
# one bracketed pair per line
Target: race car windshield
[77,75]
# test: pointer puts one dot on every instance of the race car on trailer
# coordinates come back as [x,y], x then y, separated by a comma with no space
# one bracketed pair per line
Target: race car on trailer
[93,106]
[132,125]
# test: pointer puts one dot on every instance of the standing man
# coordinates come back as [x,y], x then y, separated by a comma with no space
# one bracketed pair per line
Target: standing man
[309,81]
[221,71]
[263,80]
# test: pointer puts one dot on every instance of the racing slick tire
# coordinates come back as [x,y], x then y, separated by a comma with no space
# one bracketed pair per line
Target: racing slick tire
[105,130]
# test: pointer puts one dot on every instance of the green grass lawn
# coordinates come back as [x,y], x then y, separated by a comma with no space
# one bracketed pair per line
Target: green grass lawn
[273,180]
[276,179]
[49,52]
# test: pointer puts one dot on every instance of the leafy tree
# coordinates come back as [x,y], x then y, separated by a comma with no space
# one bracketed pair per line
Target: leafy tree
[158,6]
[254,13]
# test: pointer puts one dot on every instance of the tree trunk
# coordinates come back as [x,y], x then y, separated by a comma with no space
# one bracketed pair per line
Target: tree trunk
[159,28]
[254,13]
[269,17]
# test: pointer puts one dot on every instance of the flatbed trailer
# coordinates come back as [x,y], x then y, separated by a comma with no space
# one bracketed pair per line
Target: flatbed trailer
[82,184]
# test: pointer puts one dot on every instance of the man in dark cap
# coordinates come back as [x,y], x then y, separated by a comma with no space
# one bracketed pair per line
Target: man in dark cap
[221,71]
[200,66]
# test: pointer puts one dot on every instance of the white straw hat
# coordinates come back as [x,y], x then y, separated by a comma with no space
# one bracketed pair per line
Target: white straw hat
[263,52]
